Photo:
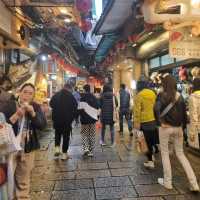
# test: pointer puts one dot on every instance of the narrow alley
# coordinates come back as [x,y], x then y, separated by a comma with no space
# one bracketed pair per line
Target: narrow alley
[113,173]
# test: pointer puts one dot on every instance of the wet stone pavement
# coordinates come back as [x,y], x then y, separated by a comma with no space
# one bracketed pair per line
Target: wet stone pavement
[113,173]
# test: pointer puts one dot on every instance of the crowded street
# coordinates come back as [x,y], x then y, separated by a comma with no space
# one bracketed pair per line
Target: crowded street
[99,99]
[112,174]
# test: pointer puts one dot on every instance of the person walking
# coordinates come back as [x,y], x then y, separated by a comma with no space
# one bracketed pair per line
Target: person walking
[171,112]
[124,109]
[26,118]
[77,96]
[194,113]
[108,116]
[144,118]
[88,109]
[64,111]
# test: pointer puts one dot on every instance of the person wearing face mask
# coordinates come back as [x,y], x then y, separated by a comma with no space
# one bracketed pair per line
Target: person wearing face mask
[26,117]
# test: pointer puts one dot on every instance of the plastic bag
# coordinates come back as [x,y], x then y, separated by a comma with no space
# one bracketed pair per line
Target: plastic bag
[141,145]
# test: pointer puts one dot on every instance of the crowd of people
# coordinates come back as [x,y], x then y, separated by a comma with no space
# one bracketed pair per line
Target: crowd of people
[160,115]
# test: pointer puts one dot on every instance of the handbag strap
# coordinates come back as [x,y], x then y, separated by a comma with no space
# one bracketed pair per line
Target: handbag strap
[169,107]
[21,126]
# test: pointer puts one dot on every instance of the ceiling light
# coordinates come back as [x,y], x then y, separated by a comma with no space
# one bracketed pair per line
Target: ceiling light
[67,20]
[43,57]
[134,45]
[63,10]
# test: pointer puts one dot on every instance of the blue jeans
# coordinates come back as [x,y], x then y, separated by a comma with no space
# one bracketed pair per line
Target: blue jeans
[127,116]
[112,132]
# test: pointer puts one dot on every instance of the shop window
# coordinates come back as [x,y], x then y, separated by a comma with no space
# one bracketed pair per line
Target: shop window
[154,62]
[166,60]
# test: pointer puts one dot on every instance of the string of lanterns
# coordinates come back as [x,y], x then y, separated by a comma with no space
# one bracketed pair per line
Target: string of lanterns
[66,66]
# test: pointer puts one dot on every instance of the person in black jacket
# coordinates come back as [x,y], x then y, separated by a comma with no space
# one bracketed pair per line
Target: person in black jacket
[88,109]
[172,119]
[26,117]
[124,109]
[108,105]
[64,111]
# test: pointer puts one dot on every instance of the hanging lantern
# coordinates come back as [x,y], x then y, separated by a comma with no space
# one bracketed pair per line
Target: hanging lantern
[83,5]
[121,46]
[62,62]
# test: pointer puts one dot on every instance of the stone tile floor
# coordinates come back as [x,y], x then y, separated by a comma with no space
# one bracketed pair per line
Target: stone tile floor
[112,174]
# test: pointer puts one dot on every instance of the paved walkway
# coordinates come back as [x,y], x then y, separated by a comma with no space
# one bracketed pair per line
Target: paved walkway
[111,174]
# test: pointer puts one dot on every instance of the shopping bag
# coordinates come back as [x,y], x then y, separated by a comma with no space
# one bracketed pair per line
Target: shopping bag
[4,131]
[3,174]
[98,125]
[141,145]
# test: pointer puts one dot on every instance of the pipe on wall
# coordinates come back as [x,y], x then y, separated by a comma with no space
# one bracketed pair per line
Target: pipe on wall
[153,46]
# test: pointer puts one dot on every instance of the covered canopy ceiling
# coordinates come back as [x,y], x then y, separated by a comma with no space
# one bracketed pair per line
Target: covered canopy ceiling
[54,27]
[105,44]
[114,16]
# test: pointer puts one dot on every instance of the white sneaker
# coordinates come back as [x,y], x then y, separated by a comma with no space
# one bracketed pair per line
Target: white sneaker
[194,188]
[102,143]
[90,154]
[113,145]
[149,164]
[167,186]
[65,156]
[85,152]
[57,151]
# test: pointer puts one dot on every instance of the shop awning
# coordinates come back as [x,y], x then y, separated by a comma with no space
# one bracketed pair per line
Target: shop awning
[105,44]
[114,15]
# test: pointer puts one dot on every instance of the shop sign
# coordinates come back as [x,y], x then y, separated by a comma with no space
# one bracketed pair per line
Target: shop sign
[183,45]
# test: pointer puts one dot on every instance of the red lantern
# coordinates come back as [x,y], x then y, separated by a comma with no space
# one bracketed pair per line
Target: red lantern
[120,46]
[83,5]
[62,62]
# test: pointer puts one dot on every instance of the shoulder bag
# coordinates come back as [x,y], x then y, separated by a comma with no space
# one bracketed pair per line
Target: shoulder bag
[169,107]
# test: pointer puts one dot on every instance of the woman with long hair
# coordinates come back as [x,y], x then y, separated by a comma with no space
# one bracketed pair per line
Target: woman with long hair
[170,110]
[26,117]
